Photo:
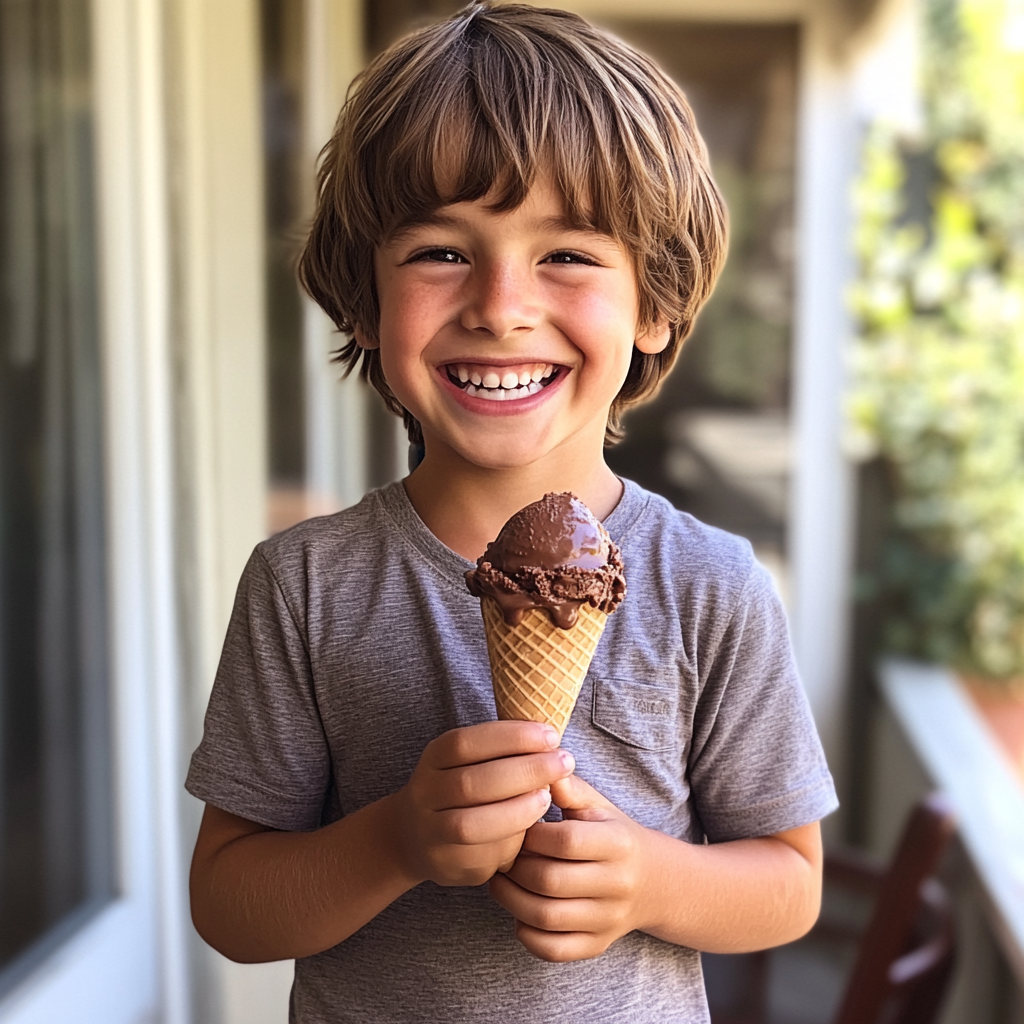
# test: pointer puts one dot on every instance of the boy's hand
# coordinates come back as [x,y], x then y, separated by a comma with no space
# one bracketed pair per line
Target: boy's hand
[578,884]
[463,814]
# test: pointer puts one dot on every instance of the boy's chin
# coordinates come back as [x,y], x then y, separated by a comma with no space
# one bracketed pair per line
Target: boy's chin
[501,455]
[506,461]
[545,447]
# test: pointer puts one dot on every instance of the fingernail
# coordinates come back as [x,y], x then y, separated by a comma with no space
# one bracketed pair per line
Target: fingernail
[545,798]
[567,760]
[551,736]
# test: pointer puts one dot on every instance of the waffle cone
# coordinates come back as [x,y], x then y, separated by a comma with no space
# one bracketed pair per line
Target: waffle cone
[537,669]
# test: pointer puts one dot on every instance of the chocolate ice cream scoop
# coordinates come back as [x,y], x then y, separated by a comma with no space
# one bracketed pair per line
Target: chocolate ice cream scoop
[557,531]
[553,554]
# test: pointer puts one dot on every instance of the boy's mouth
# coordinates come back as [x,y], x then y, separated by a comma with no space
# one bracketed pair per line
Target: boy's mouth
[502,383]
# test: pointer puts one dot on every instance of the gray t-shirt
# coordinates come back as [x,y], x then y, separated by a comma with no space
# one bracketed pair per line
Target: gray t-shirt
[354,642]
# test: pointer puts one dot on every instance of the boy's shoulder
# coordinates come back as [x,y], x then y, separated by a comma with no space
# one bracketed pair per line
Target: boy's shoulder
[678,546]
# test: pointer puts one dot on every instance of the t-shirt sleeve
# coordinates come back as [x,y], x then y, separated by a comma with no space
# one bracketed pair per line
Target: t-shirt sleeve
[264,755]
[756,763]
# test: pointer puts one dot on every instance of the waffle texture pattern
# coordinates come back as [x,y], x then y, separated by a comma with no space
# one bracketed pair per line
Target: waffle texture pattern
[538,669]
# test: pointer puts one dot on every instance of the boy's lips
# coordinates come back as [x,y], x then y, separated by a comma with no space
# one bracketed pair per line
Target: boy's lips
[493,388]
[501,383]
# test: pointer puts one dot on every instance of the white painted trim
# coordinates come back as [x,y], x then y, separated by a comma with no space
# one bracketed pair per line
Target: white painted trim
[157,426]
[820,536]
[960,754]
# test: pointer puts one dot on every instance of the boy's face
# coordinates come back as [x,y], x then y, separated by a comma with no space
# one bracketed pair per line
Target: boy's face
[508,335]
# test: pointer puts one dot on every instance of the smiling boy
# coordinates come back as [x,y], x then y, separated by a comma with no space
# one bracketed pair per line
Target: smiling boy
[517,227]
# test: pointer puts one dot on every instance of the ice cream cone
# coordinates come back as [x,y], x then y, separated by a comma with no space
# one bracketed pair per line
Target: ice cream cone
[537,668]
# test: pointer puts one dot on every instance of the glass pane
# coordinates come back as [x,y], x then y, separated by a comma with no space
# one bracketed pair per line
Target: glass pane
[716,441]
[55,815]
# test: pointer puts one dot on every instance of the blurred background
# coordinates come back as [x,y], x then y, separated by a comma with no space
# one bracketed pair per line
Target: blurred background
[852,401]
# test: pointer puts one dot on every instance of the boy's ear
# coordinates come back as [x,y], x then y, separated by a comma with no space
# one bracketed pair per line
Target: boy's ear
[655,338]
[362,340]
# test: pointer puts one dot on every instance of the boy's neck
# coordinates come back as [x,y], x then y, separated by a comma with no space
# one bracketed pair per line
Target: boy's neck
[465,506]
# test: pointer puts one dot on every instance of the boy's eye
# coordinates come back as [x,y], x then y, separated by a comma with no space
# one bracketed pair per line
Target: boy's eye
[437,256]
[569,256]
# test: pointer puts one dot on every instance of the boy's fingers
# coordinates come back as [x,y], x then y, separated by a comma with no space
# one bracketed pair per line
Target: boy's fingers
[559,947]
[492,781]
[573,794]
[492,823]
[488,741]
[561,879]
[575,840]
[551,915]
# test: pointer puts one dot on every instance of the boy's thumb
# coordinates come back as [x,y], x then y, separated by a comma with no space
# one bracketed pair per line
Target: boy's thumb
[575,795]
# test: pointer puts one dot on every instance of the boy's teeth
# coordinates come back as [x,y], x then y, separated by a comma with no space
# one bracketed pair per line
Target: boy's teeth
[502,386]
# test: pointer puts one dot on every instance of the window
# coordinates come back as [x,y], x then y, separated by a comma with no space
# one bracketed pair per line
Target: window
[56,860]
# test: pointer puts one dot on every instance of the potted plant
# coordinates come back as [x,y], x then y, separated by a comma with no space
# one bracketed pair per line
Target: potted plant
[938,363]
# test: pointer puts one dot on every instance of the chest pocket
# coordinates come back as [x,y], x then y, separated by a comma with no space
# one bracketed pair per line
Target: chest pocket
[642,714]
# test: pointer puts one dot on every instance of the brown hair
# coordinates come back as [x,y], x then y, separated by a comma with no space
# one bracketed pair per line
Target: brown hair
[477,106]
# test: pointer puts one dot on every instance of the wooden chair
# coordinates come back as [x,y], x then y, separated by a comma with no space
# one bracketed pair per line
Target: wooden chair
[905,954]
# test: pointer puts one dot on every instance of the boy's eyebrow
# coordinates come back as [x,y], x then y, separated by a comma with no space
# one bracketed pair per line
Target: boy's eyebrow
[563,223]
[436,219]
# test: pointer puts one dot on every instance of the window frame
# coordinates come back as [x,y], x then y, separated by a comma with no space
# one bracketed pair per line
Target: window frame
[127,961]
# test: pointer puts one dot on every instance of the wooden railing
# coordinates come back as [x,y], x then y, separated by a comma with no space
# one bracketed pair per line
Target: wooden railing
[960,755]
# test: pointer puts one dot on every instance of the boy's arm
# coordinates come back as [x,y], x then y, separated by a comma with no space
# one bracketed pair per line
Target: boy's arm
[738,896]
[580,884]
[259,894]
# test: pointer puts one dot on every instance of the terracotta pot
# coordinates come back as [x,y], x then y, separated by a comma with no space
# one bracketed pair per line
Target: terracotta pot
[1002,706]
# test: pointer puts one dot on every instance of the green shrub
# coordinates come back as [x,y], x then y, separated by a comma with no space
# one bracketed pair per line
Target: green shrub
[939,358]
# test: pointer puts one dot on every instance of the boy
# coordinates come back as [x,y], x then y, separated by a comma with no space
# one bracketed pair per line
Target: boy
[517,227]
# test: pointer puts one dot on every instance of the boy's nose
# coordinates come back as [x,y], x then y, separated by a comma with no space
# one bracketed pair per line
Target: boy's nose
[500,301]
